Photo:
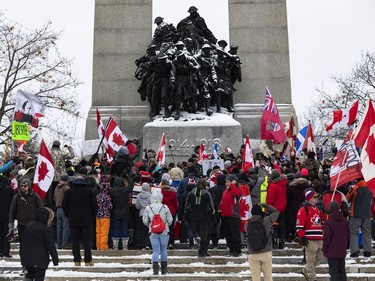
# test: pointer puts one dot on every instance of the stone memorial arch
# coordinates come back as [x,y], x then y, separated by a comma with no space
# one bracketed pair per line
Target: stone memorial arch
[123,31]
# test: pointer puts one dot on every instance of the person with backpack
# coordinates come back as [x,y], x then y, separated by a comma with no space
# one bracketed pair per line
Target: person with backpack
[259,241]
[158,218]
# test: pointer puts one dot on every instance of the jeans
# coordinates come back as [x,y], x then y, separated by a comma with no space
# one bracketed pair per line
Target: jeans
[159,244]
[119,228]
[62,228]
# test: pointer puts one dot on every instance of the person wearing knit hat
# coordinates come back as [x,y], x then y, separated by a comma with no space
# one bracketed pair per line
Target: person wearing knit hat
[143,199]
[336,237]
[260,258]
[304,172]
[62,222]
[276,196]
[309,228]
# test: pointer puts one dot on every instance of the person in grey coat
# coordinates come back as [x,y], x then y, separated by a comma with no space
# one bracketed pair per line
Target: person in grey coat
[142,201]
[261,260]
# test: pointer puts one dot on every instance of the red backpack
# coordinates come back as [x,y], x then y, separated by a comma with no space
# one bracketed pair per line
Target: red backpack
[157,224]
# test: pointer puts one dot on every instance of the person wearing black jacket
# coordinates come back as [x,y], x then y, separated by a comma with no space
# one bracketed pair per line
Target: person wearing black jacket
[38,246]
[6,195]
[80,207]
[217,194]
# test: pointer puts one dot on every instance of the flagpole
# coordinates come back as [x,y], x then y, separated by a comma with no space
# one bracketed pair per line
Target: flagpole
[105,130]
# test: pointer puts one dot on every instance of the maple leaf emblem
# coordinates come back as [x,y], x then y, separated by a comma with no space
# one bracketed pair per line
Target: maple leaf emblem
[18,115]
[370,148]
[117,139]
[244,207]
[43,171]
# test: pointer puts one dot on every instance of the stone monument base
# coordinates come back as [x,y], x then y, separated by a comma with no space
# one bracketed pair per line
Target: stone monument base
[183,135]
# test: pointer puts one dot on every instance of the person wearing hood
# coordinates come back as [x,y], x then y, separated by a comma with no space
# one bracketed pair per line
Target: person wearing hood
[23,208]
[38,246]
[103,215]
[260,260]
[6,195]
[62,222]
[295,195]
[336,238]
[159,241]
[199,209]
[29,171]
[217,194]
[276,196]
[142,201]
[169,199]
[80,207]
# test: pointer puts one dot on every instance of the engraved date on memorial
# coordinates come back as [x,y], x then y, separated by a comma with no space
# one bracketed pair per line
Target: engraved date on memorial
[182,145]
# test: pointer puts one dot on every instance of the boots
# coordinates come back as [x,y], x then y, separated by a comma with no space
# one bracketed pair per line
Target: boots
[178,112]
[167,112]
[164,268]
[125,242]
[274,243]
[115,243]
[281,243]
[207,104]
[155,268]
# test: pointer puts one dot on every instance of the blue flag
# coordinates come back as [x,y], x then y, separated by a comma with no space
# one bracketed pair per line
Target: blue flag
[301,139]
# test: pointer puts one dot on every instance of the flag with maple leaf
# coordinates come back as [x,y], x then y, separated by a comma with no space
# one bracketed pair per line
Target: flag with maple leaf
[101,134]
[344,117]
[271,127]
[309,143]
[291,135]
[44,171]
[28,108]
[346,165]
[160,156]
[202,154]
[247,156]
[14,183]
[115,139]
[245,205]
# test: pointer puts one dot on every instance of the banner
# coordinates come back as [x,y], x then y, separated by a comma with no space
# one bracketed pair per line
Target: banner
[28,108]
[20,131]
[209,164]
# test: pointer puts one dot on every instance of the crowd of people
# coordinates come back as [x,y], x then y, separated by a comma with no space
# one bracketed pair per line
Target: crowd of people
[112,206]
[186,68]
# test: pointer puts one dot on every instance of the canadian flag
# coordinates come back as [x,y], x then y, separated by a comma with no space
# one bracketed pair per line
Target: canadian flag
[344,117]
[365,136]
[101,132]
[14,183]
[245,206]
[44,171]
[160,157]
[309,140]
[247,156]
[202,155]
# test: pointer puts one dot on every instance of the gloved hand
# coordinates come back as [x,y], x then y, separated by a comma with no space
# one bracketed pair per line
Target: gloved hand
[15,159]
[304,241]
[10,235]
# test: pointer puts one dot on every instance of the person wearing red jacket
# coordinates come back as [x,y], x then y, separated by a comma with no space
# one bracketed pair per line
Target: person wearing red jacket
[310,231]
[276,196]
[170,199]
[230,215]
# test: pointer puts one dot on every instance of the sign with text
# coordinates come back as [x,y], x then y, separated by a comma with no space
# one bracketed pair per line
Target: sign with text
[90,146]
[20,131]
[209,164]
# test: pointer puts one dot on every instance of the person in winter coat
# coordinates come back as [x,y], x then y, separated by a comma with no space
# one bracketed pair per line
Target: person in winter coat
[360,198]
[143,200]
[80,207]
[276,196]
[62,222]
[38,246]
[310,231]
[6,196]
[336,238]
[170,199]
[120,212]
[217,194]
[159,241]
[230,215]
[295,195]
[261,260]
[103,216]
[23,208]
[199,208]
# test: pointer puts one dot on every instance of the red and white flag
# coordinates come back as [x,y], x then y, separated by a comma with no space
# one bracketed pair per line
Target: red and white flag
[44,171]
[344,117]
[245,206]
[247,156]
[271,127]
[202,155]
[160,156]
[365,136]
[28,108]
[101,132]
[346,165]
[309,143]
[14,183]
[291,135]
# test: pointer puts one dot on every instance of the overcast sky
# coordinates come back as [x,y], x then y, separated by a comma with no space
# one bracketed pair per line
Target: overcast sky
[325,37]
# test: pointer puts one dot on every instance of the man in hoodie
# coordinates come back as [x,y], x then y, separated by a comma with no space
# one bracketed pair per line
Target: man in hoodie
[142,201]
[62,222]
[217,194]
[199,208]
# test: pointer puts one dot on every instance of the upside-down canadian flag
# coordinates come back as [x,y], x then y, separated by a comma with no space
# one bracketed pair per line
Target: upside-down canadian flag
[270,126]
[365,138]
[160,156]
[202,155]
[44,171]
[344,117]
[247,156]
